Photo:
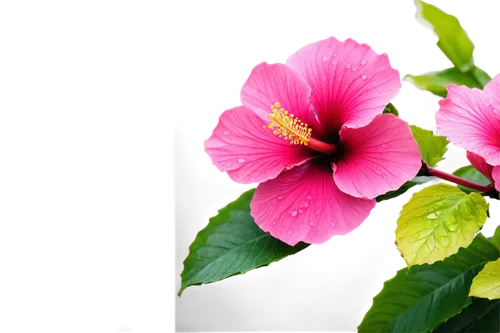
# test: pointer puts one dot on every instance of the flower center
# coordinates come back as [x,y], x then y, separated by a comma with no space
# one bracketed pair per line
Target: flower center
[285,125]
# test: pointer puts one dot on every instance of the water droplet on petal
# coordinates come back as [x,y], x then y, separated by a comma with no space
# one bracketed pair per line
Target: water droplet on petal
[274,223]
[290,232]
[348,66]
[363,77]
[354,69]
[383,146]
[312,223]
[363,62]
[241,160]
[309,197]
[332,224]
[301,211]
[280,197]
[325,59]
[384,176]
[226,133]
[306,204]
[293,213]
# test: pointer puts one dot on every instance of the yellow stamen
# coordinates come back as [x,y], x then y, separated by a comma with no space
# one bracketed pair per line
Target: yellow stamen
[287,126]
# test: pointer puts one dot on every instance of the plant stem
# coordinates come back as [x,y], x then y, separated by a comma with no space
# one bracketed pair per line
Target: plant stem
[458,180]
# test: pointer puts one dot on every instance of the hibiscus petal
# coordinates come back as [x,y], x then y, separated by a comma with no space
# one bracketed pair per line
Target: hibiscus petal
[268,84]
[467,118]
[377,158]
[243,146]
[492,88]
[480,164]
[496,177]
[351,84]
[304,204]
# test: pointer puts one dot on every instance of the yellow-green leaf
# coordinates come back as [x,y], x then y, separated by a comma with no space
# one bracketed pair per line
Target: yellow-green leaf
[432,147]
[453,39]
[437,222]
[487,283]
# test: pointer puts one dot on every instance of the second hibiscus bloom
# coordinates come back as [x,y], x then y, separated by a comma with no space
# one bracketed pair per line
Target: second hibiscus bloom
[470,118]
[312,133]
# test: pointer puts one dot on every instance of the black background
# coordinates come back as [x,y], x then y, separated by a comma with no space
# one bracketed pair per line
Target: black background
[211,48]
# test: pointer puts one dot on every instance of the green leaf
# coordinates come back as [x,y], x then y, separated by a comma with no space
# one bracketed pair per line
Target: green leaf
[405,187]
[471,173]
[481,316]
[481,76]
[432,147]
[453,39]
[437,221]
[232,244]
[417,300]
[436,82]
[391,109]
[487,283]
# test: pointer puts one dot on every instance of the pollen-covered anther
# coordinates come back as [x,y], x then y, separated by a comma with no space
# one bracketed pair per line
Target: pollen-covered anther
[287,126]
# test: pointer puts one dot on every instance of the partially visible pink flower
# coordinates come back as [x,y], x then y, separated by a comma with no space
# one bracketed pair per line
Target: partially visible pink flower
[489,171]
[470,118]
[312,132]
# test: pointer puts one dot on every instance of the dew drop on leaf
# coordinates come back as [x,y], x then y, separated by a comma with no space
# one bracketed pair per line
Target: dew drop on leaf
[443,240]
[432,216]
[465,211]
[451,224]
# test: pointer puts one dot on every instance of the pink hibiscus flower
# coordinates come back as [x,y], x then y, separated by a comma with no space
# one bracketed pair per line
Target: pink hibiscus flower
[312,133]
[470,118]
